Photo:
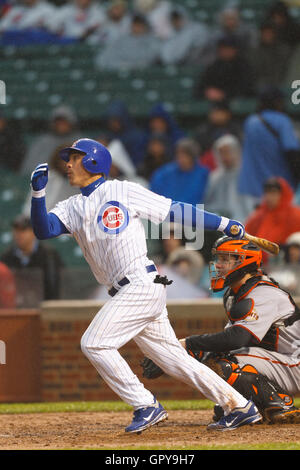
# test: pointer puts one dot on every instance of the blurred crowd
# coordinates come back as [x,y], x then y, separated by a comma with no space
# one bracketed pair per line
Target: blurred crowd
[246,169]
[140,33]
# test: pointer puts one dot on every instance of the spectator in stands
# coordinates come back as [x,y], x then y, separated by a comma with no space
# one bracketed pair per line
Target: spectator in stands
[5,6]
[7,287]
[222,195]
[269,58]
[157,13]
[173,240]
[157,154]
[122,166]
[276,217]
[28,253]
[229,23]
[117,23]
[288,29]
[58,188]
[137,50]
[184,179]
[62,123]
[220,121]
[297,195]
[12,145]
[292,249]
[228,76]
[269,144]
[161,122]
[187,40]
[185,268]
[292,72]
[286,271]
[179,263]
[27,15]
[187,263]
[78,19]
[121,126]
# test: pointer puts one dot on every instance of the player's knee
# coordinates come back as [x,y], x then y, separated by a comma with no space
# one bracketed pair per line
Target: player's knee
[90,350]
[84,346]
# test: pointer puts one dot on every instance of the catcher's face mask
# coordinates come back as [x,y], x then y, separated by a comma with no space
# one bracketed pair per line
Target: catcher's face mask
[231,260]
[221,266]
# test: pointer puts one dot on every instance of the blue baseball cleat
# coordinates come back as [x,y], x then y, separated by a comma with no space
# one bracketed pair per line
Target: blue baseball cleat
[249,414]
[143,418]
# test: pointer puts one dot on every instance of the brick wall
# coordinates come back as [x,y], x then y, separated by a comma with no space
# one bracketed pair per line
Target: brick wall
[68,375]
[20,369]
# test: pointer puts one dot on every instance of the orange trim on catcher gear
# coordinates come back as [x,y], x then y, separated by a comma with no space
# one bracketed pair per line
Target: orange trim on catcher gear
[249,368]
[234,375]
[282,396]
[269,360]
[190,352]
[292,412]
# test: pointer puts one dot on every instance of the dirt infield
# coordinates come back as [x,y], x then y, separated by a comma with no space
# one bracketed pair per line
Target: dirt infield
[106,430]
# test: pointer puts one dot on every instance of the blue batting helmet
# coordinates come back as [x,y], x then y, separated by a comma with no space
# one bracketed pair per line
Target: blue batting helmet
[97,158]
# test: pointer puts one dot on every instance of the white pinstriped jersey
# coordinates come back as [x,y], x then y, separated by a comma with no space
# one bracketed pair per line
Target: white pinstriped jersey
[107,226]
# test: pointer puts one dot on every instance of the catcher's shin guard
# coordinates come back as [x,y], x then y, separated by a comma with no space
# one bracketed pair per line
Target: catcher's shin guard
[273,403]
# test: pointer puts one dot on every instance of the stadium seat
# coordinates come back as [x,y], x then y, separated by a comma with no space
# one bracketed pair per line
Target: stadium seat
[40,76]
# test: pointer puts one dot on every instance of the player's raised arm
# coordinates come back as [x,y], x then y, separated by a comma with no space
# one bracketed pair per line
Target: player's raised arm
[44,225]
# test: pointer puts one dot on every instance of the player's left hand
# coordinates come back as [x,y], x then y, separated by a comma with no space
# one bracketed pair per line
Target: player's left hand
[234,229]
[39,177]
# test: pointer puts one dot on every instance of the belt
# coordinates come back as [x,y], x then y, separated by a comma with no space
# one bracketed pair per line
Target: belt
[151,268]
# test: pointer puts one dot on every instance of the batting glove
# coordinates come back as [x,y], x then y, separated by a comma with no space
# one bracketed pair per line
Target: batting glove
[234,229]
[39,177]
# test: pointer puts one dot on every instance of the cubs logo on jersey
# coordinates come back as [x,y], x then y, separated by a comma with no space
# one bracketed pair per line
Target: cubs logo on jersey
[113,217]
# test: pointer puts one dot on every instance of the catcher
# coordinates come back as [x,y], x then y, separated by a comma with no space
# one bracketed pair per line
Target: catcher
[258,353]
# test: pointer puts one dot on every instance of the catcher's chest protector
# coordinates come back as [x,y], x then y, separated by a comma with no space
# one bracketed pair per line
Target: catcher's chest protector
[240,307]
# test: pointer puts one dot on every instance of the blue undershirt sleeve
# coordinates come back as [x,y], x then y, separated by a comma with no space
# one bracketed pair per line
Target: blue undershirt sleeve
[45,225]
[188,214]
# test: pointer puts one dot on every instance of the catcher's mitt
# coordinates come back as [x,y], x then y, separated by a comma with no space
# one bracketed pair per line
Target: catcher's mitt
[151,370]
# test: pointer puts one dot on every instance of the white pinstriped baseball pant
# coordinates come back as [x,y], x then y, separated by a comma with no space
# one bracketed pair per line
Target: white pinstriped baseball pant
[138,311]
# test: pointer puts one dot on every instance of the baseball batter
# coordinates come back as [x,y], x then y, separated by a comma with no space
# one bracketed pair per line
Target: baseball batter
[105,221]
[261,339]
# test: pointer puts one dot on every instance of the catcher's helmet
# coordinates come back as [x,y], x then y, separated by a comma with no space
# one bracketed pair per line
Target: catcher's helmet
[97,158]
[232,259]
